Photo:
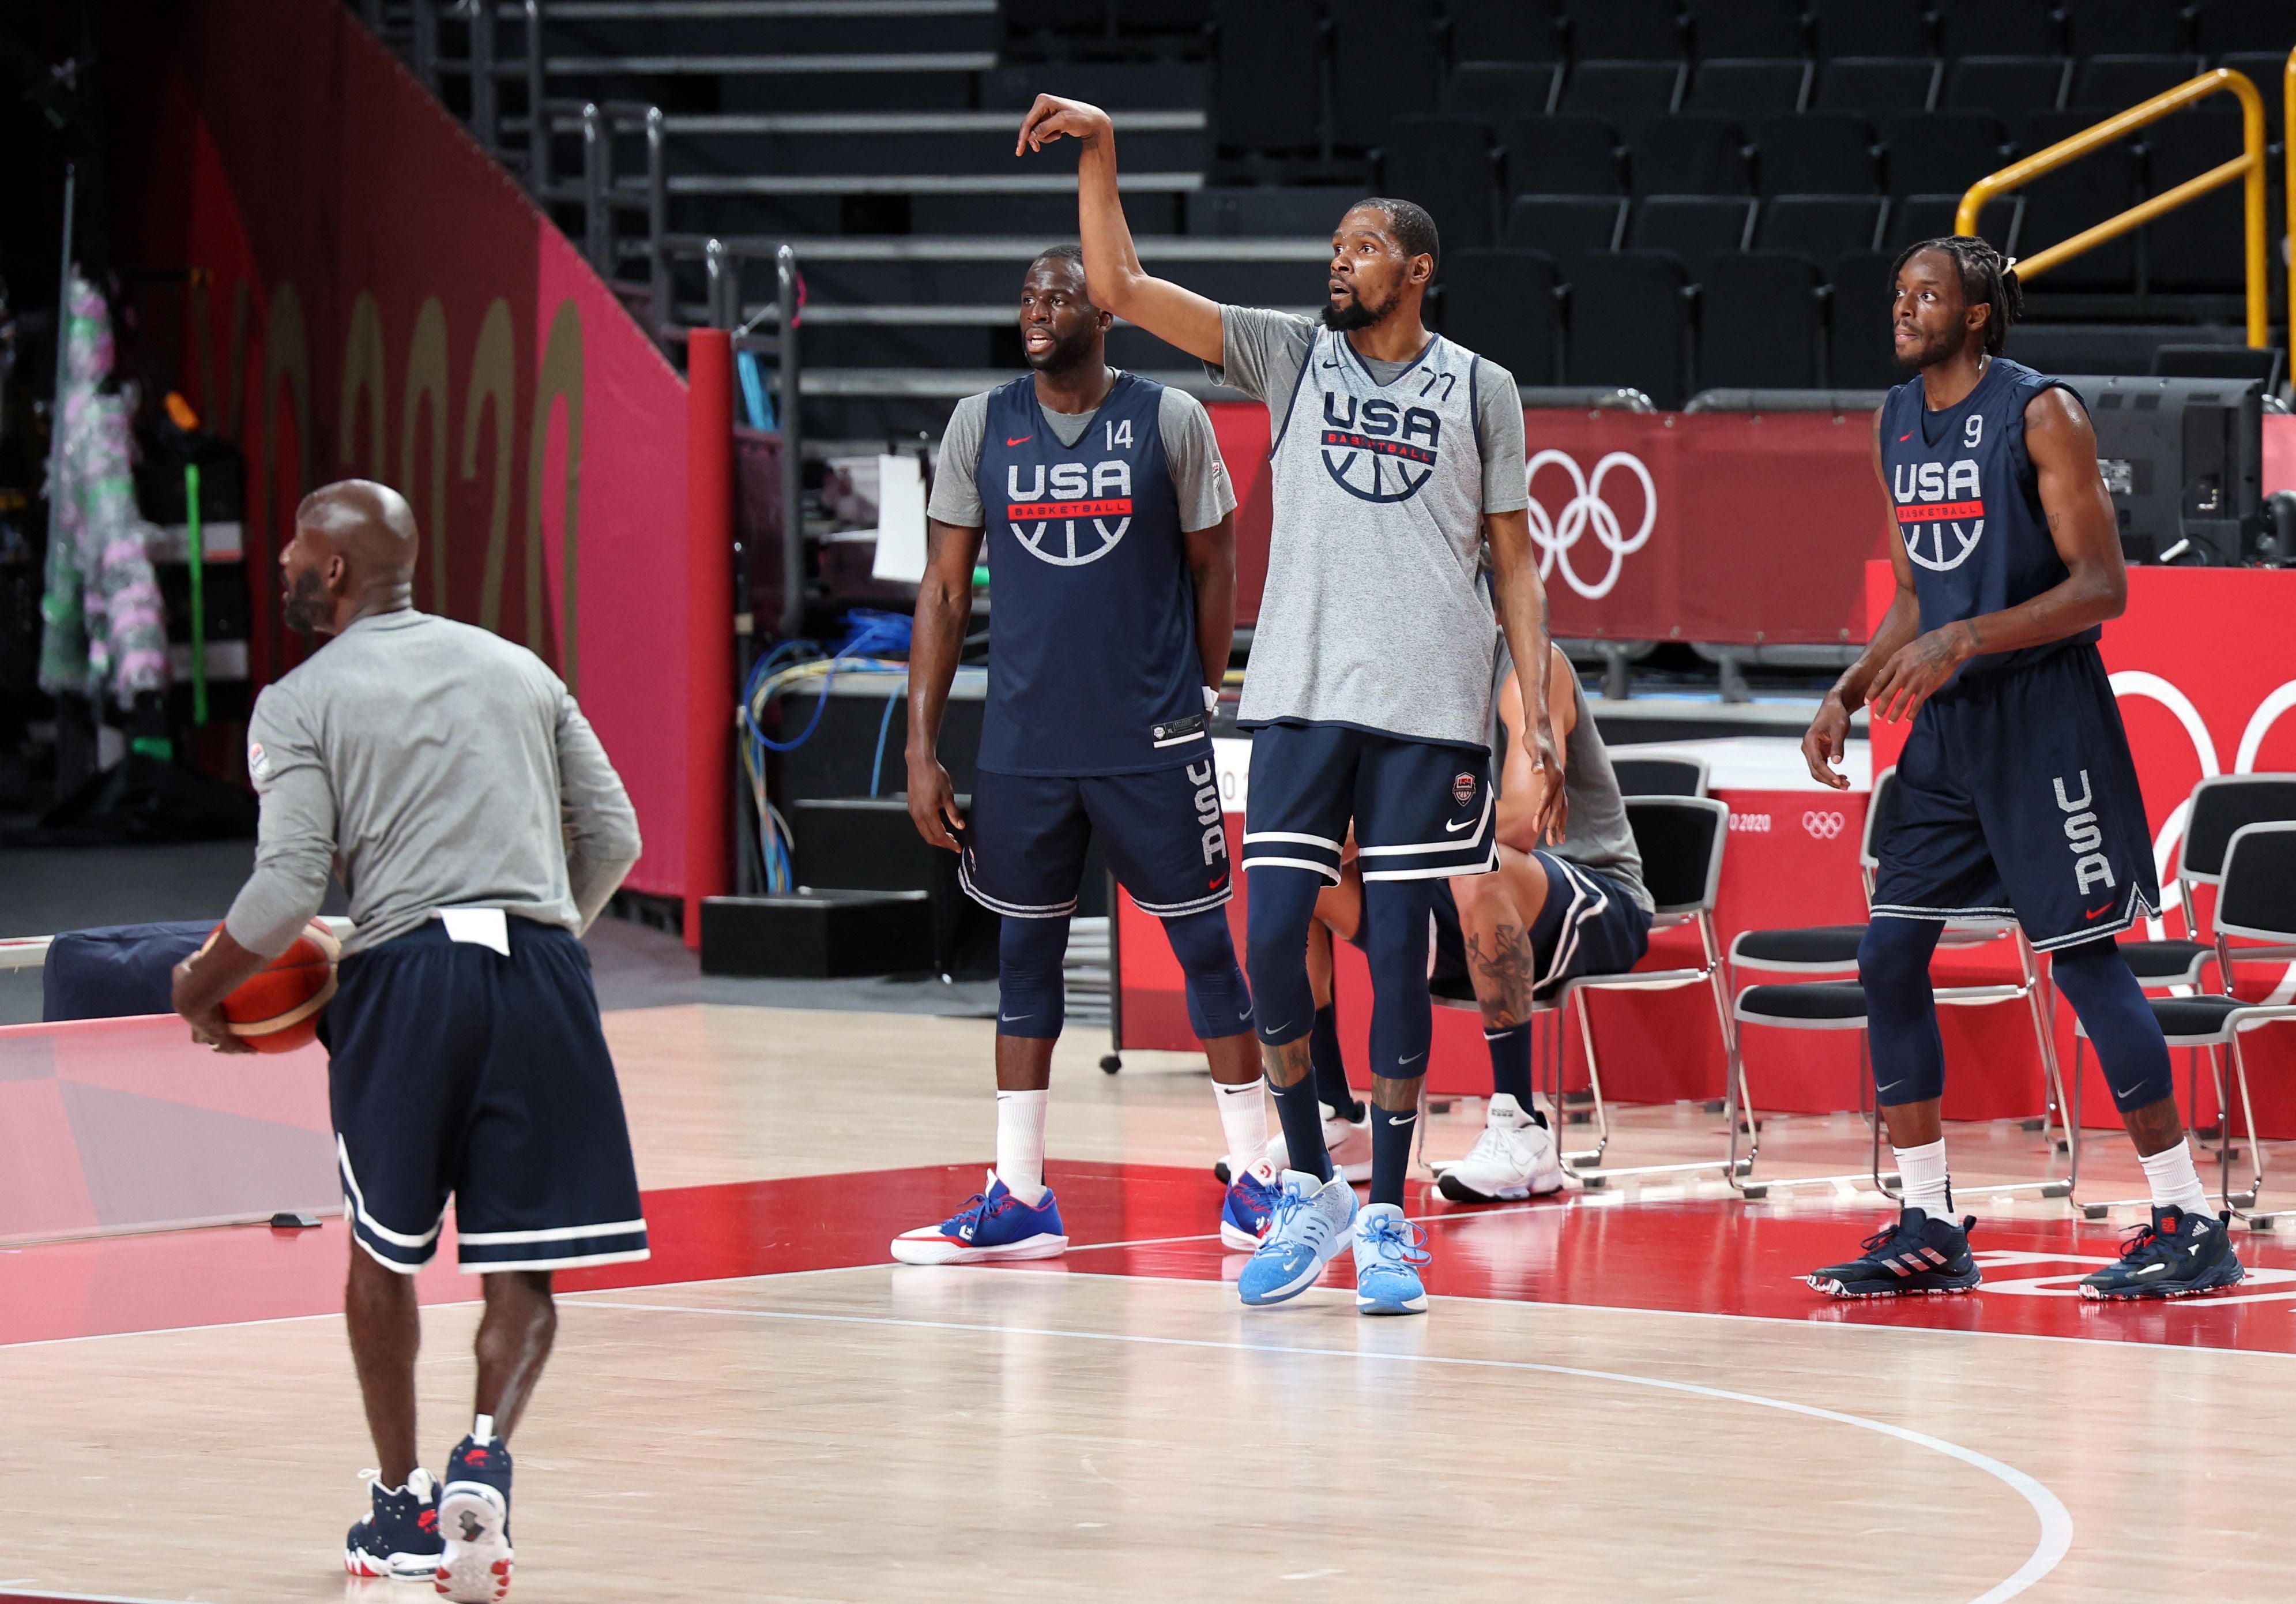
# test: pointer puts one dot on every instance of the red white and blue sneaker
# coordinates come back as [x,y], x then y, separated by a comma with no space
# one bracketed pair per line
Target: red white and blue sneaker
[993,1226]
[1249,1208]
[2181,1254]
[399,1537]
[1918,1254]
[474,1521]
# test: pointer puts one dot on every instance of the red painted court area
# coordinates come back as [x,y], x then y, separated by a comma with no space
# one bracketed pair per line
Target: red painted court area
[1696,1258]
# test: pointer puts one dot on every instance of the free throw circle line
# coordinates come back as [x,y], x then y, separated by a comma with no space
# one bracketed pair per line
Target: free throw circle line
[2056,1538]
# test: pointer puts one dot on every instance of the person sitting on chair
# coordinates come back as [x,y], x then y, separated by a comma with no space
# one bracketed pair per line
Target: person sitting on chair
[1570,906]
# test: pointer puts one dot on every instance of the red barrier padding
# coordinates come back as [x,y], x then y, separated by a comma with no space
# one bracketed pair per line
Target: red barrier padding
[1719,527]
[710,613]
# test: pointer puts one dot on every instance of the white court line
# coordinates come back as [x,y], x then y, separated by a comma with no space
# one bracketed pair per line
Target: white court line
[2056,1521]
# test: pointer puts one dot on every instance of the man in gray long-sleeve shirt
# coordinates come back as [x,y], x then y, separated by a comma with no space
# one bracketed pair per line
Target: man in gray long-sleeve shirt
[449,778]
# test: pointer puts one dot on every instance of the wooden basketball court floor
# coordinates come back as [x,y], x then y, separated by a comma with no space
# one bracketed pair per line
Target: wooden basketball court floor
[1614,1395]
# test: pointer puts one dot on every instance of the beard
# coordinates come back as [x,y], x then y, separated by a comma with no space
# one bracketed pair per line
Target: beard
[1356,313]
[1928,354]
[308,608]
[1074,351]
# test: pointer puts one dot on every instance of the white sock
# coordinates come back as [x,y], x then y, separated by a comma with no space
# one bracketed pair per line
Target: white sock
[482,1429]
[1021,1144]
[1243,1121]
[1922,1178]
[2174,1182]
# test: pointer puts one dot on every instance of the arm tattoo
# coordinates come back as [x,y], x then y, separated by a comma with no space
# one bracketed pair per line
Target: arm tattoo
[1504,969]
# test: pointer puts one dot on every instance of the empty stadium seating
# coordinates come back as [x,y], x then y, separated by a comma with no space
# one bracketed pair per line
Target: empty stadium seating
[1685,193]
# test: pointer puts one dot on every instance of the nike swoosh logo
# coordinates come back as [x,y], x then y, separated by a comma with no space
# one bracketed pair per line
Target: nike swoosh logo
[1010,1018]
[1023,440]
[2151,1270]
[1453,830]
[1901,438]
[1403,1119]
[1275,1030]
[1404,1063]
[2099,914]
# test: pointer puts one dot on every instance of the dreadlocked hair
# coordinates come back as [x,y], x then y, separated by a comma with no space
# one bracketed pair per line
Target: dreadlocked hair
[1987,278]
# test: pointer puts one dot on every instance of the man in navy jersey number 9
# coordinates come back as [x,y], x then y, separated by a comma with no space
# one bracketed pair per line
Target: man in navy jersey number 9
[2016,796]
[1111,544]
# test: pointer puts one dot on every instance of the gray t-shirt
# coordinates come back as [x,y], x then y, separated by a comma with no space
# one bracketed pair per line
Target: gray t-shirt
[430,764]
[1382,475]
[1261,352]
[1597,835]
[1199,475]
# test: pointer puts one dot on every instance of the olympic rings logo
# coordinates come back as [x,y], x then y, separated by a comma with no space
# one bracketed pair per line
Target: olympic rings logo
[1823,826]
[1586,510]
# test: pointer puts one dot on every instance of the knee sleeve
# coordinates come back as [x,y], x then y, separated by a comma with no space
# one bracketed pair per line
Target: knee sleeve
[1402,1019]
[1893,963]
[2097,980]
[1283,900]
[1030,1000]
[1218,1005]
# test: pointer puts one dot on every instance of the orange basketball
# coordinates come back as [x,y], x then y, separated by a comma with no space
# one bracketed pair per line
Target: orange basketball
[276,1009]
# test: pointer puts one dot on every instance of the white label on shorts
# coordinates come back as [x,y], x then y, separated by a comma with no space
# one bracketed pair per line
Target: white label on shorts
[480,926]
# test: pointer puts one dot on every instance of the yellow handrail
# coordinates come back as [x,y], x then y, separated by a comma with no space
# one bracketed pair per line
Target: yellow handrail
[2248,165]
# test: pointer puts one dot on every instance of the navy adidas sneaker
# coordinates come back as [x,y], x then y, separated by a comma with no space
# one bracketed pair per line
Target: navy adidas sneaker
[992,1225]
[399,1537]
[2179,1255]
[1918,1254]
[474,1522]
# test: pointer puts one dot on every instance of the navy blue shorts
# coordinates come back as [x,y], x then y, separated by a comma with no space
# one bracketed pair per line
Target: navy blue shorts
[1421,810]
[454,1070]
[1590,924]
[1160,832]
[2018,799]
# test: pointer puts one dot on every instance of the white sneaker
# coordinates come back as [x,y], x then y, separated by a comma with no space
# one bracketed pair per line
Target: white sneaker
[1513,1158]
[1348,1141]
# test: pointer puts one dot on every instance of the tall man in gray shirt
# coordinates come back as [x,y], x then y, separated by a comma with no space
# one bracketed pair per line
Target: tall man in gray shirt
[1369,689]
[447,778]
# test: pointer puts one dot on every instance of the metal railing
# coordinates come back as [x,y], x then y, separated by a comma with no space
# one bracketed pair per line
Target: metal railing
[603,196]
[2247,167]
[724,309]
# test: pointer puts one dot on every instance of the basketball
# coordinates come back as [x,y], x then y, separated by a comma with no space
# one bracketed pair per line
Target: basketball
[276,1009]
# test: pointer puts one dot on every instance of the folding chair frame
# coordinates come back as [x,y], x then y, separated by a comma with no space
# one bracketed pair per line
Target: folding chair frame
[2034,992]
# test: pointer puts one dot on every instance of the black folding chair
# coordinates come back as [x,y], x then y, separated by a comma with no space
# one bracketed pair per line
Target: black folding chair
[1659,773]
[1681,840]
[2255,874]
[2219,806]
[1822,999]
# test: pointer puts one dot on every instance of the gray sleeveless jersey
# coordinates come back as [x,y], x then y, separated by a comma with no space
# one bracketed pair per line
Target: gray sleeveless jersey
[1372,617]
[1597,835]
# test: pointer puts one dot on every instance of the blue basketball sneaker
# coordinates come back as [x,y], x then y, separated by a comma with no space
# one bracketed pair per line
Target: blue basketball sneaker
[1388,1252]
[1310,1228]
[2182,1252]
[399,1537]
[993,1225]
[475,1520]
[1249,1208]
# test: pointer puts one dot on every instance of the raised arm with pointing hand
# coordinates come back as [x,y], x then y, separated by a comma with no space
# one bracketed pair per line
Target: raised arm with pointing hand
[1167,310]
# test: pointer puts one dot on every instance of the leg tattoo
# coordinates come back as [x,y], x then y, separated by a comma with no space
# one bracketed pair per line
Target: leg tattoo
[1503,970]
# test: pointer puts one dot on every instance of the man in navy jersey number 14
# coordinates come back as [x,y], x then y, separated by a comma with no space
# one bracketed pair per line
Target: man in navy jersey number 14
[1106,518]
[2016,796]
